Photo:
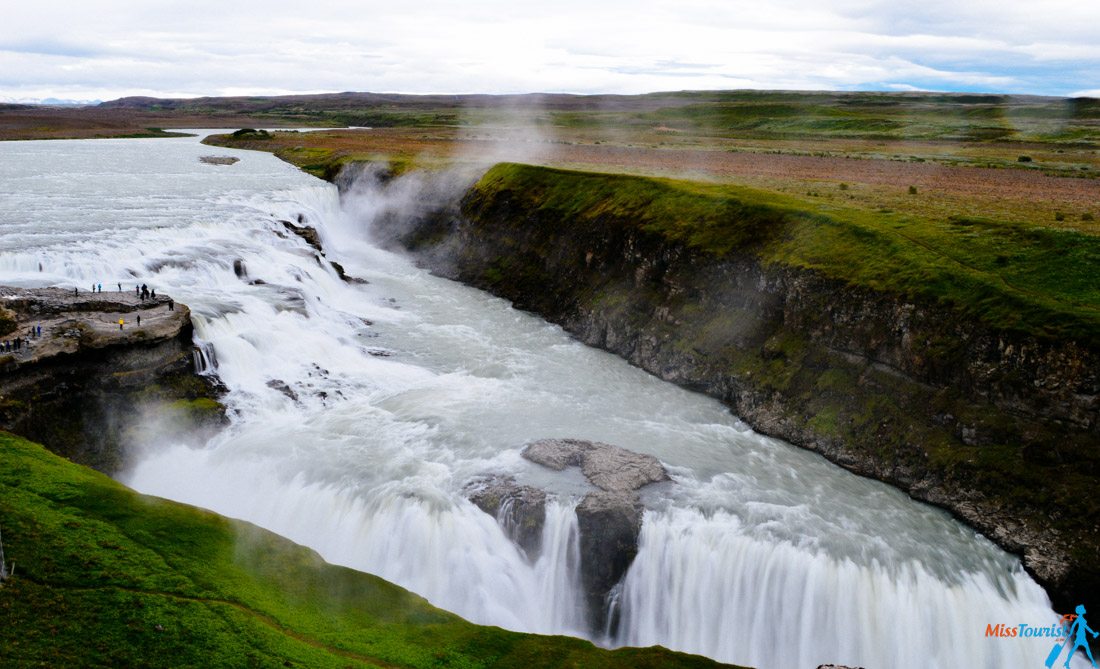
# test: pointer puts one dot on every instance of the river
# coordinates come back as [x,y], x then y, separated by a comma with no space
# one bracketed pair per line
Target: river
[404,389]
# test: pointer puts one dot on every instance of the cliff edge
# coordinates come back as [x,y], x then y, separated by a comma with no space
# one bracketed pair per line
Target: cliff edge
[76,381]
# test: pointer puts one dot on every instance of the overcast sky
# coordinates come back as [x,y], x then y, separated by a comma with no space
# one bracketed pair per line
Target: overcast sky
[108,49]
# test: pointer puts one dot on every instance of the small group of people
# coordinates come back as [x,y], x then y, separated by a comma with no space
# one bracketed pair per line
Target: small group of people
[19,343]
[144,293]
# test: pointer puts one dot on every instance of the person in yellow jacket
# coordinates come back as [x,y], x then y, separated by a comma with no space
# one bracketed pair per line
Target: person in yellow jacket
[121,323]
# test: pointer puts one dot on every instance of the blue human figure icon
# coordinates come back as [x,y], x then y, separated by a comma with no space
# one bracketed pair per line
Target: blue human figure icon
[1077,630]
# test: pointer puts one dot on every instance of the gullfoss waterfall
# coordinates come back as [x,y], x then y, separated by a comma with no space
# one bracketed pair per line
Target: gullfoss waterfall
[361,413]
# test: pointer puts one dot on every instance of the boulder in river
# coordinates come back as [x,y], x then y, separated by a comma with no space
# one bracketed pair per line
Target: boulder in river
[608,520]
[605,466]
[220,160]
[520,509]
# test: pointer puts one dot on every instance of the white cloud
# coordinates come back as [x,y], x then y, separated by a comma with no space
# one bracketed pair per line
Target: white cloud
[127,47]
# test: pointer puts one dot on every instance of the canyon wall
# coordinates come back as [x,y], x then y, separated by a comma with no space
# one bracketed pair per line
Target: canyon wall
[997,426]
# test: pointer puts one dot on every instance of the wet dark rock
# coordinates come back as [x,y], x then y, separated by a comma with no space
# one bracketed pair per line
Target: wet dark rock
[608,520]
[311,237]
[239,268]
[282,387]
[520,510]
[306,232]
[608,523]
[344,275]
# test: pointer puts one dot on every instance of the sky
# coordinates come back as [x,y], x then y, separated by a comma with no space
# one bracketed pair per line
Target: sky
[106,49]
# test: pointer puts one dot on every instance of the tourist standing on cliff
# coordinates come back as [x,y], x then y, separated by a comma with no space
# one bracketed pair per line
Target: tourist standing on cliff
[120,286]
[121,323]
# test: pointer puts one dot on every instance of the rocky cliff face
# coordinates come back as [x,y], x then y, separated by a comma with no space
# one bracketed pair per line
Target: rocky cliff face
[998,427]
[86,387]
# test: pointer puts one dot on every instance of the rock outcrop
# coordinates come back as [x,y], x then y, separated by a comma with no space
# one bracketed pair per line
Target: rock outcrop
[219,160]
[520,510]
[608,519]
[607,467]
[309,234]
[86,386]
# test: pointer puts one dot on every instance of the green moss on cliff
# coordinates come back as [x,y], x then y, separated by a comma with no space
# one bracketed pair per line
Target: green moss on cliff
[107,577]
[999,273]
[201,411]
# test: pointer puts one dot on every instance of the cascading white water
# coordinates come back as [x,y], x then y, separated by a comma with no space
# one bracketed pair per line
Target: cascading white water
[701,582]
[361,411]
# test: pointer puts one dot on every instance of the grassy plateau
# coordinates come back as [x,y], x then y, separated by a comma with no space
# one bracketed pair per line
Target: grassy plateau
[997,272]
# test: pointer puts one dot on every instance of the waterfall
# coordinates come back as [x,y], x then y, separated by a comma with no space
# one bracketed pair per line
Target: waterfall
[360,412]
[702,585]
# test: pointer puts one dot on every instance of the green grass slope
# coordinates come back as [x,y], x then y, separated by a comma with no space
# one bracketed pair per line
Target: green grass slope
[1031,279]
[105,577]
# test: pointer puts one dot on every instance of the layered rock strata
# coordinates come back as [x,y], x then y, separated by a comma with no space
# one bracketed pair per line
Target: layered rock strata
[88,385]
